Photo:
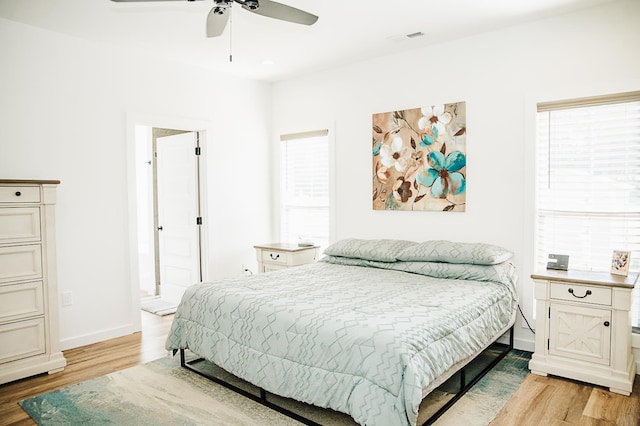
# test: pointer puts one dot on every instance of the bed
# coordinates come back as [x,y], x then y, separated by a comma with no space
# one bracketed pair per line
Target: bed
[369,330]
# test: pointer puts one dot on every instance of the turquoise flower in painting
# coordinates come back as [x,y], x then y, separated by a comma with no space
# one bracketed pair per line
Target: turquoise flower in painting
[443,174]
[429,136]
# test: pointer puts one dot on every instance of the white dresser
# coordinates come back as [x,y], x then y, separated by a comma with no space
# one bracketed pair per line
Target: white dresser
[29,329]
[272,257]
[584,328]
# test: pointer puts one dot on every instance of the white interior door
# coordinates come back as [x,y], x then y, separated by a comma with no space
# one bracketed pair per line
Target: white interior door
[178,233]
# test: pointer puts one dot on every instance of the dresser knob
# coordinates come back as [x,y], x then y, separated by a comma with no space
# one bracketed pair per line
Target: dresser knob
[606,323]
[18,193]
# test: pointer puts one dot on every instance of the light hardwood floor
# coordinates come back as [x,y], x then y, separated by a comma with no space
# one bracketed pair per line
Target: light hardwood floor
[538,401]
[553,401]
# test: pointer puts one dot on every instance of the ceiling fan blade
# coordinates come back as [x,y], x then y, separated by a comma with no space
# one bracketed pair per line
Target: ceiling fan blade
[217,20]
[283,12]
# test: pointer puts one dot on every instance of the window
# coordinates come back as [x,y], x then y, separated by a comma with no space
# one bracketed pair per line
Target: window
[304,187]
[588,182]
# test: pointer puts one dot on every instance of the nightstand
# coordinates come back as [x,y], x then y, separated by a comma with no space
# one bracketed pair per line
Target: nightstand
[272,257]
[584,328]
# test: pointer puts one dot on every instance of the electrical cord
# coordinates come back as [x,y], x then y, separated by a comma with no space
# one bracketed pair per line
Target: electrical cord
[525,319]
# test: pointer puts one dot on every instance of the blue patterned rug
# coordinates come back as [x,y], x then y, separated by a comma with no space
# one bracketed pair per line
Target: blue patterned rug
[163,393]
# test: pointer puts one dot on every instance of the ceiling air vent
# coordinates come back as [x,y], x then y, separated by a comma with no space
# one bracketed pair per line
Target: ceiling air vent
[414,35]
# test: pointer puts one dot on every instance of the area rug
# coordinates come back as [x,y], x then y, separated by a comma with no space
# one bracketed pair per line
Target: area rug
[158,306]
[163,393]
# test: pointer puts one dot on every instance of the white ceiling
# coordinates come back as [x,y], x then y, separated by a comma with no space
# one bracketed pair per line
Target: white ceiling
[347,31]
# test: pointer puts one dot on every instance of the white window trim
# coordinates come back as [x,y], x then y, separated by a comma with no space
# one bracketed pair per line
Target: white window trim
[275,177]
[527,263]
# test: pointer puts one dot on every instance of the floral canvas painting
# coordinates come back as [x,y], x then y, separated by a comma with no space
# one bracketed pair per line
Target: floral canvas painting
[419,159]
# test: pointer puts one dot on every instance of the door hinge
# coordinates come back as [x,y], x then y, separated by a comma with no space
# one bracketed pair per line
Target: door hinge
[199,220]
[197,150]
[548,344]
[549,311]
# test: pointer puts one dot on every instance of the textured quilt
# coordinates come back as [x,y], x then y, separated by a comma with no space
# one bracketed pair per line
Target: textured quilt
[358,336]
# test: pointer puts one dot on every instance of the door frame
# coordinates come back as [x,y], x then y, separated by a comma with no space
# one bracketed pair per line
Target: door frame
[204,128]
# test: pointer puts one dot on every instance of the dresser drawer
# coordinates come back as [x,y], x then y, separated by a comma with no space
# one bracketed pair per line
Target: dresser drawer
[581,293]
[19,225]
[21,301]
[20,263]
[19,194]
[21,339]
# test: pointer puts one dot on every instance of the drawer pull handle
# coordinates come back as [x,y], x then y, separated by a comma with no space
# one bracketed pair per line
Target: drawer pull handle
[276,257]
[579,297]
[18,193]
[606,323]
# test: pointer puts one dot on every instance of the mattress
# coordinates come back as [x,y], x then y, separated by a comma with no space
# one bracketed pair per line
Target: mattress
[359,336]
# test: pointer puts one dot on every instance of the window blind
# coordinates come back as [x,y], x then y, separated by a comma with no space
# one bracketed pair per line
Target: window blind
[304,187]
[588,182]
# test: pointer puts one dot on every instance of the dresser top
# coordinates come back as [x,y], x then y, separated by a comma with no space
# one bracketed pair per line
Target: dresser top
[587,277]
[28,181]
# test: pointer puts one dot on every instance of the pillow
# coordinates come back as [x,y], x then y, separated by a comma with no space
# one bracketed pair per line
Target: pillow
[378,250]
[452,252]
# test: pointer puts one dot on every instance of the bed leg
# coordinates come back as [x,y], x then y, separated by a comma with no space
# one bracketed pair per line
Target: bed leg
[511,337]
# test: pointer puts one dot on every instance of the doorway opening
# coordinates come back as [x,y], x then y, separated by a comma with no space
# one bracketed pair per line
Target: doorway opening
[169,216]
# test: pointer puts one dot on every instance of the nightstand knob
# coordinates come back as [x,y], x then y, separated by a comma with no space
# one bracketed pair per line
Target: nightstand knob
[18,193]
[276,257]
[588,292]
[606,323]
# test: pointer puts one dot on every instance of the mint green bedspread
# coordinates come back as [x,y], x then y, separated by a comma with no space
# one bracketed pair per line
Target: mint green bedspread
[362,337]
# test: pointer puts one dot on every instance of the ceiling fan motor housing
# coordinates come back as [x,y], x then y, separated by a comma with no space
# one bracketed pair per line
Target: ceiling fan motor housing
[248,4]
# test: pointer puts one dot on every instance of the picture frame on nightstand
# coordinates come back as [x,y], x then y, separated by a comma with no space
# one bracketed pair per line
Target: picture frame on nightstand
[620,262]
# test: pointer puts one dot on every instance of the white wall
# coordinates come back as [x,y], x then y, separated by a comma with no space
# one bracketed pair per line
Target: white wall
[500,75]
[65,107]
[66,103]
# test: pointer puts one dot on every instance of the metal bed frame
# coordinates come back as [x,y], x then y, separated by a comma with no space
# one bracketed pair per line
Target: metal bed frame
[465,384]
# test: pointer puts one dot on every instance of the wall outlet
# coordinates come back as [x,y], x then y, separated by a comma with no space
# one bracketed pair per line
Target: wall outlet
[67,298]
[246,270]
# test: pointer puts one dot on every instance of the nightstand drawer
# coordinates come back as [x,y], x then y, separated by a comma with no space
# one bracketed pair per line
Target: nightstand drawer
[19,194]
[272,257]
[275,257]
[581,293]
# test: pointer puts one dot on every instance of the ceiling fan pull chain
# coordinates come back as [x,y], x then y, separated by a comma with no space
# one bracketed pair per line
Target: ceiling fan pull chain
[230,34]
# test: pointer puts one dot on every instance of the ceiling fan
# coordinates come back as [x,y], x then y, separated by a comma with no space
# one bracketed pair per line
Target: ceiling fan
[219,15]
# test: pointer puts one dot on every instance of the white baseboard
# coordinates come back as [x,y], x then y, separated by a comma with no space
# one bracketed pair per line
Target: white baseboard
[88,339]
[524,345]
